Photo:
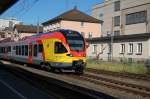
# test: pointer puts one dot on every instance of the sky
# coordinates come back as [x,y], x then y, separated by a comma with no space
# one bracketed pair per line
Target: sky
[30,11]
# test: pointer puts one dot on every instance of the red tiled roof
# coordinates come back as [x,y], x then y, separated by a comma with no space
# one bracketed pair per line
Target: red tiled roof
[74,15]
[27,28]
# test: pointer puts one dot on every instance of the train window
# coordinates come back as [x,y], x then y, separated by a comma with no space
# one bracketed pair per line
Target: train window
[14,47]
[0,50]
[22,50]
[26,50]
[9,48]
[35,50]
[17,50]
[59,48]
[40,47]
[75,40]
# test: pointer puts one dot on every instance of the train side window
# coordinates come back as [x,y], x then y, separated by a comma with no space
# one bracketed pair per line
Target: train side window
[22,50]
[59,48]
[35,50]
[9,49]
[14,47]
[0,50]
[17,50]
[26,50]
[40,48]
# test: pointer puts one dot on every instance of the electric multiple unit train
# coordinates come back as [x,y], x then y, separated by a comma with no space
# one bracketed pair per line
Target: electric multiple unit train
[61,49]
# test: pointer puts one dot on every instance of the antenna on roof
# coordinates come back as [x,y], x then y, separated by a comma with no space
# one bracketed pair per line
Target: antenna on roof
[38,25]
[75,4]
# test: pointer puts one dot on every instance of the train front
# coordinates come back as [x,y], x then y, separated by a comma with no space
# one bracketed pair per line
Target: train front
[77,50]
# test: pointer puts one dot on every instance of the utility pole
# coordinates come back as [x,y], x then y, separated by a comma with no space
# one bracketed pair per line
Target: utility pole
[38,26]
[112,38]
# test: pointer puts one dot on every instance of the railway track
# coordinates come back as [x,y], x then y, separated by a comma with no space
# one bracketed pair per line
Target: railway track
[58,89]
[115,84]
[145,77]
[94,78]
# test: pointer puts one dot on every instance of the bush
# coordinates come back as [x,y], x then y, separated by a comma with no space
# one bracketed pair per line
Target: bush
[147,65]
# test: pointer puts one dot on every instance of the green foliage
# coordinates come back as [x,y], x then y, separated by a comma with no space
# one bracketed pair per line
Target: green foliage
[118,67]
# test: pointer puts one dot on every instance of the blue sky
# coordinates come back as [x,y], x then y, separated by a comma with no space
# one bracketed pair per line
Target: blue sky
[29,11]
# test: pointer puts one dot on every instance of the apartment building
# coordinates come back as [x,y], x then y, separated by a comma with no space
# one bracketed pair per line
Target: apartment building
[6,27]
[125,31]
[74,19]
[5,23]
[20,31]
[123,17]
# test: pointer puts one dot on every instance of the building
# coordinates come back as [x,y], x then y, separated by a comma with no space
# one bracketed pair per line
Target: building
[128,48]
[21,31]
[123,17]
[6,27]
[125,31]
[75,20]
[8,23]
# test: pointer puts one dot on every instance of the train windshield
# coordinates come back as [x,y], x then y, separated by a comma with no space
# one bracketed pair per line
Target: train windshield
[74,40]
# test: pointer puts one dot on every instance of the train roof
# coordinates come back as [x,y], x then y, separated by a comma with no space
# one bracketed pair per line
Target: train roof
[36,36]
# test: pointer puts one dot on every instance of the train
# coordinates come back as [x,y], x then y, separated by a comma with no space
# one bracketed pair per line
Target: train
[57,50]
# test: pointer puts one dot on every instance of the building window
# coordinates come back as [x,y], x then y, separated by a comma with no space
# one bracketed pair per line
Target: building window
[117,33]
[117,6]
[130,48]
[82,24]
[117,21]
[139,49]
[94,49]
[101,15]
[134,18]
[90,35]
[122,49]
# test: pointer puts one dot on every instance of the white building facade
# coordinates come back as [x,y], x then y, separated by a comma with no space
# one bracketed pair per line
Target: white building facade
[125,31]
[5,23]
[123,17]
[6,27]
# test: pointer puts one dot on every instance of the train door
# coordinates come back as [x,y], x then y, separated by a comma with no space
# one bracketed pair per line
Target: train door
[37,53]
[41,55]
[34,53]
[30,53]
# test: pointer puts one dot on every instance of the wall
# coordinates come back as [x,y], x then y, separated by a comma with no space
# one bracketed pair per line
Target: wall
[103,46]
[94,28]
[134,28]
[127,6]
